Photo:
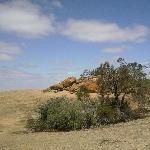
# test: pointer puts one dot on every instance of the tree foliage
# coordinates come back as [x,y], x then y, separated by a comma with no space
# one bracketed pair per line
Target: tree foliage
[126,78]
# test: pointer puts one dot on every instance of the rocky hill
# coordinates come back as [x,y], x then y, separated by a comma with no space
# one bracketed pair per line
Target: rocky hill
[72,84]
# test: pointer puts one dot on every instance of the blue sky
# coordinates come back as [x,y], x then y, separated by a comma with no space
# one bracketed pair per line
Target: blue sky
[43,42]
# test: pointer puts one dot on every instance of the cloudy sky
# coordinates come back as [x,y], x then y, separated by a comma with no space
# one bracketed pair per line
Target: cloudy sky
[43,42]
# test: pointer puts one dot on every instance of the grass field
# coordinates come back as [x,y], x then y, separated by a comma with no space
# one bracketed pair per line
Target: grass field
[16,106]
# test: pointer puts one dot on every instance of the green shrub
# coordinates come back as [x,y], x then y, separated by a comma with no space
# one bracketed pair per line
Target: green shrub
[106,114]
[59,114]
[63,114]
[127,113]
[36,125]
[83,93]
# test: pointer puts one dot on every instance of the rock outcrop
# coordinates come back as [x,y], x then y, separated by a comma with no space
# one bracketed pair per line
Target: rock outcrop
[68,82]
[72,84]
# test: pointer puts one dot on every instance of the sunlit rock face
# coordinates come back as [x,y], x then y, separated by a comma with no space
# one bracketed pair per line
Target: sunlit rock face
[72,84]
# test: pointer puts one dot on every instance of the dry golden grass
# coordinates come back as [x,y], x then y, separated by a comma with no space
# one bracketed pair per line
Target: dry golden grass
[15,106]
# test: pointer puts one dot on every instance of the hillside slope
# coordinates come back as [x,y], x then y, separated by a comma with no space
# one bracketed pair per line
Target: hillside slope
[15,106]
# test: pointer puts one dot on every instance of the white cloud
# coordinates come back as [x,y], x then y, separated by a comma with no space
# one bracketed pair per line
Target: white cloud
[113,49]
[5,57]
[13,78]
[97,31]
[25,19]
[9,51]
[57,3]
[30,65]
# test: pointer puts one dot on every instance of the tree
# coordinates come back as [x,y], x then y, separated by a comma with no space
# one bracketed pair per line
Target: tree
[131,79]
[85,73]
[127,78]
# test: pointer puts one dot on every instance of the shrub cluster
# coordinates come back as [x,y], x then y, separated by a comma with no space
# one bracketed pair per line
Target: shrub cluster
[59,114]
[62,114]
[82,93]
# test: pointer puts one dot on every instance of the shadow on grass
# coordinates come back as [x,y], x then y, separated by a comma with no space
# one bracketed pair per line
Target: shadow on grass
[20,132]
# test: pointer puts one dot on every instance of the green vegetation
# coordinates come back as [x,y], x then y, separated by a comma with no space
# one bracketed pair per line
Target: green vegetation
[125,79]
[82,93]
[63,114]
[59,114]
[107,114]
[115,83]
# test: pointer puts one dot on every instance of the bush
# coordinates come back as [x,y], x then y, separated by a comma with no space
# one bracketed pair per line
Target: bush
[60,114]
[108,111]
[63,114]
[127,113]
[106,114]
[82,93]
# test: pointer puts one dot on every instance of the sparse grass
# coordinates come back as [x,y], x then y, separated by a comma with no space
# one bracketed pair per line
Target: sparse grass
[13,136]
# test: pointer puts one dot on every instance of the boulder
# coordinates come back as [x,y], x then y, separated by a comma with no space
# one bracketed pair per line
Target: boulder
[72,84]
[68,82]
[57,87]
[79,81]
[91,86]
[74,88]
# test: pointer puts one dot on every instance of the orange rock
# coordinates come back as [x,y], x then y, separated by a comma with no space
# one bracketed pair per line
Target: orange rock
[72,84]
[68,82]
[91,86]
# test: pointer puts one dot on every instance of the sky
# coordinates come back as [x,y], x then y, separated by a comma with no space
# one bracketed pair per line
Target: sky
[43,42]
